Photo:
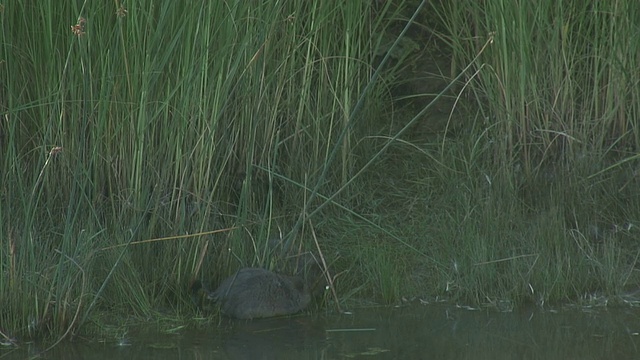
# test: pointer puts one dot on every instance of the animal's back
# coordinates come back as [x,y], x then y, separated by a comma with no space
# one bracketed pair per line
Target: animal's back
[257,293]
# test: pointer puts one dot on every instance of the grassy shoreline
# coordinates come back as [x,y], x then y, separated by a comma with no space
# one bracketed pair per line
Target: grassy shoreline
[145,146]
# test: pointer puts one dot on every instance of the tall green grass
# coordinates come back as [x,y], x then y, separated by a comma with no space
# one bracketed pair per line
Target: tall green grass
[555,77]
[145,145]
[126,126]
[540,206]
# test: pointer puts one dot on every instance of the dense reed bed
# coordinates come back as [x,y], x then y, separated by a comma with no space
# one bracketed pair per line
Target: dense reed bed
[144,145]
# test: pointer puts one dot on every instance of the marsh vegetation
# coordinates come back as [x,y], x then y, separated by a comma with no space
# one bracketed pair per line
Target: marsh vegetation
[485,154]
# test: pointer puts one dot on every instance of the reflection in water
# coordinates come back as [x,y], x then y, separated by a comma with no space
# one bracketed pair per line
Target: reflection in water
[423,332]
[450,333]
[293,338]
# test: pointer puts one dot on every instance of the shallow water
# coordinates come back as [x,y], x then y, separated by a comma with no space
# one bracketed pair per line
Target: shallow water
[417,332]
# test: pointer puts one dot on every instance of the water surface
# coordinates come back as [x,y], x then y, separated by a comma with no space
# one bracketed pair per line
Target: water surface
[413,332]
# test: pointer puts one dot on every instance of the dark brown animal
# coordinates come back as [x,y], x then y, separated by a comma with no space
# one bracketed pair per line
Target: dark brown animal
[258,293]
